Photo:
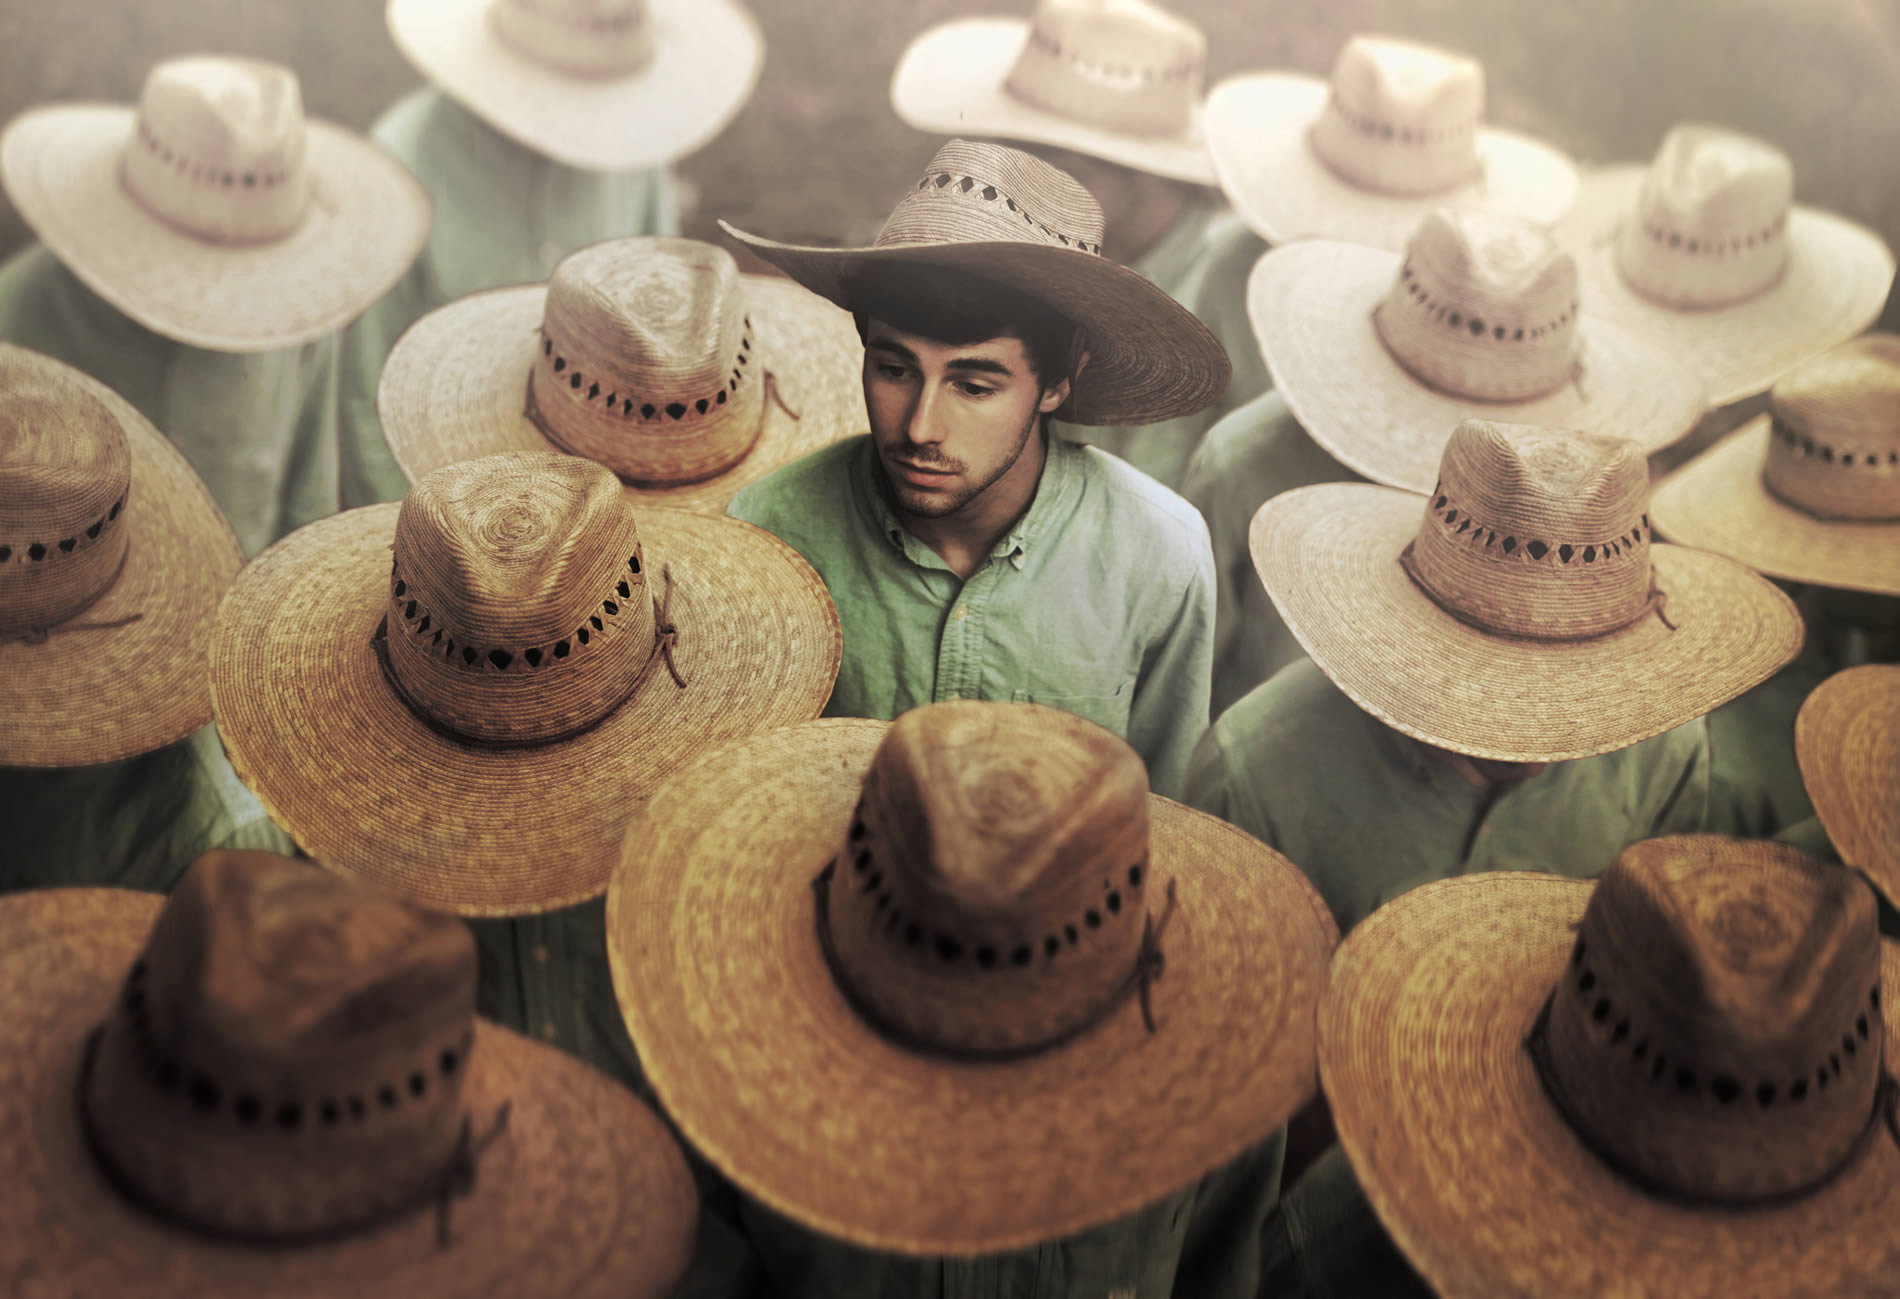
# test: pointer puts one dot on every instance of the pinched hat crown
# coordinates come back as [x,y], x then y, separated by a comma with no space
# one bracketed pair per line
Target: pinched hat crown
[1123,65]
[977,192]
[1401,118]
[589,38]
[1835,452]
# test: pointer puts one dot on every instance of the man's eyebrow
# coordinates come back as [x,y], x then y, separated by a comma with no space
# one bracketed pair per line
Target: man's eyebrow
[981,365]
[896,348]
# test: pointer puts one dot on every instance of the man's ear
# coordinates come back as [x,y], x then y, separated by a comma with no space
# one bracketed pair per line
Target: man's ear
[1053,397]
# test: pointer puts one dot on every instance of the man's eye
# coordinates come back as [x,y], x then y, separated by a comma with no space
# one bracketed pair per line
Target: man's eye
[890,371]
[974,389]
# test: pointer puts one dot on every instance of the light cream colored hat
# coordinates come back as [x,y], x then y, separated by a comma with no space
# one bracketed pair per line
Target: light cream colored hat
[213,213]
[113,557]
[1705,253]
[606,85]
[290,1094]
[1811,491]
[1380,355]
[1847,739]
[654,357]
[473,723]
[956,983]
[1398,132]
[1121,80]
[1526,617]
[1676,1081]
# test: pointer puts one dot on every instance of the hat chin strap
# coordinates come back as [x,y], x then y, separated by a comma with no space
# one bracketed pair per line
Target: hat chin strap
[1656,604]
[39,635]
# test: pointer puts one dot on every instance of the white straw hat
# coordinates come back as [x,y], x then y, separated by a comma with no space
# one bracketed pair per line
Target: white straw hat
[1847,740]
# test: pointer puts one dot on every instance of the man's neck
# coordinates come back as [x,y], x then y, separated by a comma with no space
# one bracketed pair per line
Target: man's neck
[964,540]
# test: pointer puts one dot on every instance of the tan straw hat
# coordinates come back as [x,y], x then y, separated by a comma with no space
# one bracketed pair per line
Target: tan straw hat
[474,723]
[1847,739]
[290,1094]
[958,986]
[214,213]
[1522,614]
[606,85]
[1705,253]
[112,560]
[1676,1081]
[1809,492]
[1120,80]
[1377,353]
[1398,132]
[654,357]
[1001,214]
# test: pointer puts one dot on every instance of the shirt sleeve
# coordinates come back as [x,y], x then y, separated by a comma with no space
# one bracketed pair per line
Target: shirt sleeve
[1221,1255]
[1201,487]
[310,487]
[1683,807]
[1169,711]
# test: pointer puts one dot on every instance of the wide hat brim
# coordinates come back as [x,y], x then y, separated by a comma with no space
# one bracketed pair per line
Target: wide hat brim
[1718,502]
[585,1193]
[1256,129]
[705,64]
[455,384]
[1835,286]
[1422,1052]
[98,694]
[1329,557]
[368,220]
[1311,307]
[1847,740]
[952,80]
[368,789]
[1150,358]
[769,1073]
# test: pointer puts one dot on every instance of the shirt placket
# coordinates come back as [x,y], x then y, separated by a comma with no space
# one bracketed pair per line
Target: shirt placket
[961,644]
[549,1002]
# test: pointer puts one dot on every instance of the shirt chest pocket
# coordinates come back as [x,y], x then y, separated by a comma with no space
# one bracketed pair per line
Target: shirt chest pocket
[1107,708]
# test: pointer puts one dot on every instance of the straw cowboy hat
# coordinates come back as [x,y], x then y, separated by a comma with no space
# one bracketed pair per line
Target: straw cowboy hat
[112,560]
[473,724]
[1847,739]
[1809,492]
[290,1094]
[1398,132]
[214,213]
[1521,612]
[1674,1081]
[1115,79]
[654,357]
[1705,253]
[605,85]
[1004,215]
[1376,352]
[962,977]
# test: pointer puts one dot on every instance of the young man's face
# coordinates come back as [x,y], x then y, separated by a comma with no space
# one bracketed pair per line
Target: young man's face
[949,421]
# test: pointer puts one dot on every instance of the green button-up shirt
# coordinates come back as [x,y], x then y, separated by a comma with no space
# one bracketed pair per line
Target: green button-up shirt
[1368,813]
[1099,601]
[1323,1241]
[504,214]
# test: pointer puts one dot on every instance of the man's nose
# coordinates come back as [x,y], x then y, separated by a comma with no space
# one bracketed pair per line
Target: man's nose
[928,424]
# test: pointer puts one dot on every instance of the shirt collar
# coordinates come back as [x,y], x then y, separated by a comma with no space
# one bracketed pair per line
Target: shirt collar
[1054,500]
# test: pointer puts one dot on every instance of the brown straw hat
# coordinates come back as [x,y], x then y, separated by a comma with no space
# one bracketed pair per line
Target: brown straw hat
[958,985]
[1705,253]
[213,213]
[1398,132]
[1004,215]
[1676,1081]
[1809,492]
[290,1094]
[473,724]
[1522,614]
[654,357]
[112,560]
[1376,352]
[1847,739]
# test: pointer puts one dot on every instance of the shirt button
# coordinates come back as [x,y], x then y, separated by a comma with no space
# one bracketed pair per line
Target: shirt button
[548,1030]
[963,611]
[541,955]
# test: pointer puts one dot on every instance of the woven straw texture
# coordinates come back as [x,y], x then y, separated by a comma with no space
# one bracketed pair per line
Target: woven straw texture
[705,63]
[370,790]
[1311,306]
[710,934]
[1422,1034]
[1847,738]
[585,1193]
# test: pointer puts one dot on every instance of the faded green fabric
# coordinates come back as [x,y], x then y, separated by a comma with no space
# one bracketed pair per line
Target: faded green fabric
[134,824]
[258,427]
[1252,455]
[1099,601]
[1368,813]
[1202,261]
[504,215]
[1323,1241]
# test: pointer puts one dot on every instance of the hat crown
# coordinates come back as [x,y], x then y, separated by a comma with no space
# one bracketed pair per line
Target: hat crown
[975,192]
[1401,118]
[586,38]
[1123,65]
[1711,222]
[1835,452]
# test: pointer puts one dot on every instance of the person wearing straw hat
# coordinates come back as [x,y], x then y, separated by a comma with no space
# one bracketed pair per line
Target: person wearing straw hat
[199,255]
[1376,356]
[275,1082]
[972,553]
[546,126]
[652,356]
[1109,91]
[1847,737]
[1043,1026]
[112,559]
